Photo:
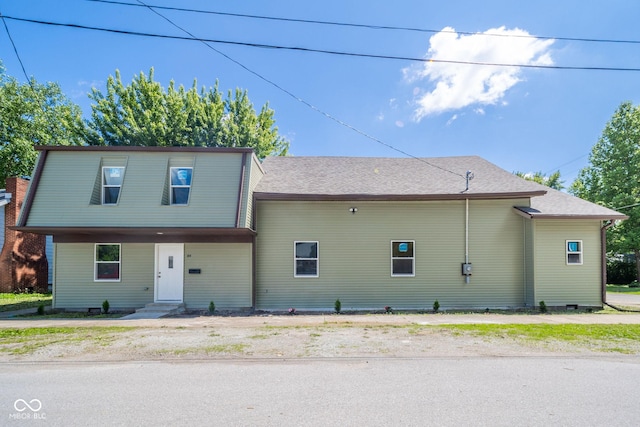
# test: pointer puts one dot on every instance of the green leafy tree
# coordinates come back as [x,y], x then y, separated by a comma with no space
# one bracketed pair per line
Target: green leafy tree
[33,114]
[552,180]
[612,178]
[144,113]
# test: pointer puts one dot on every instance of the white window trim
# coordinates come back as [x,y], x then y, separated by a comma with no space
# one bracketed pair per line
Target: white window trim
[567,252]
[171,186]
[95,263]
[413,258]
[317,260]
[110,186]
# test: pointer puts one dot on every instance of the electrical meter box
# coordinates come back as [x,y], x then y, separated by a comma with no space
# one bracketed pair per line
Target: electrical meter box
[467,269]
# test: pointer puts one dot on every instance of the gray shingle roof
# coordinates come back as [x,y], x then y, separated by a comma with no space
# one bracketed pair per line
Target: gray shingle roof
[373,178]
[556,204]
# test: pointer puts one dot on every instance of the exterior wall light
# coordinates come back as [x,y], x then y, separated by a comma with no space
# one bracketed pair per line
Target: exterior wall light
[353,210]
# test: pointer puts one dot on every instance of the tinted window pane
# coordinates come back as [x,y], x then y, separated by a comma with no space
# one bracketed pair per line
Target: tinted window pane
[108,253]
[306,268]
[112,176]
[402,249]
[573,258]
[306,250]
[108,271]
[180,196]
[181,176]
[111,195]
[402,266]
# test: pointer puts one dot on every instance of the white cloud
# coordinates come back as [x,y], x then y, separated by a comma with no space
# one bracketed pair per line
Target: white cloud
[399,123]
[91,84]
[83,88]
[452,119]
[455,86]
[380,117]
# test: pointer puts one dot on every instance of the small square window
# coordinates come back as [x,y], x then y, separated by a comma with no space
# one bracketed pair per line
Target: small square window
[180,179]
[306,259]
[112,178]
[403,260]
[574,252]
[107,262]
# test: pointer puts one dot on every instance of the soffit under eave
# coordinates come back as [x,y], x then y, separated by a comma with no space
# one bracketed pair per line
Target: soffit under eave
[142,231]
[259,195]
[526,212]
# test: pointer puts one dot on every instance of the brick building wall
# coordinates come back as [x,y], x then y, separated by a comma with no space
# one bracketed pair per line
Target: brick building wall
[23,260]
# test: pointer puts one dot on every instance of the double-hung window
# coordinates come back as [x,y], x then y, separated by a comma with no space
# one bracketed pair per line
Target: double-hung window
[180,179]
[111,184]
[305,259]
[574,252]
[403,259]
[107,262]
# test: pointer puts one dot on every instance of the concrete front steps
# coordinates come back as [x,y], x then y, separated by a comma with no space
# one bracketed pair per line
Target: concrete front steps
[156,310]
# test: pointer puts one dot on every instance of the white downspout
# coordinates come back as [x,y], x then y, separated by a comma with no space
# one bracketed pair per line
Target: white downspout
[466,267]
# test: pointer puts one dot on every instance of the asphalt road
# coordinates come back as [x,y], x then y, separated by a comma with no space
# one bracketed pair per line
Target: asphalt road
[627,300]
[523,391]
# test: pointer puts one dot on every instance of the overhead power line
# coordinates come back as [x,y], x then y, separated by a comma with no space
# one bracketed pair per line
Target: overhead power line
[322,51]
[368,26]
[566,163]
[297,98]
[15,49]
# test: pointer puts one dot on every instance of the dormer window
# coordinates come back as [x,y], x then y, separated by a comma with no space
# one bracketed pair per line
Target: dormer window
[112,178]
[180,179]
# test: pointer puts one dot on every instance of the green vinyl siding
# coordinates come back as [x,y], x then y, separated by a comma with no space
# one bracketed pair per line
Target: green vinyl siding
[225,276]
[74,285]
[355,260]
[529,227]
[254,174]
[67,187]
[559,284]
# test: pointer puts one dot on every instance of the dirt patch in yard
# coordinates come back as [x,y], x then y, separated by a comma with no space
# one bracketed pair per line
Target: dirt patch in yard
[285,337]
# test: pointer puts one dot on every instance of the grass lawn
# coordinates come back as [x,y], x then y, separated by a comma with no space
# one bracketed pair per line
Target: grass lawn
[619,338]
[28,340]
[10,301]
[624,289]
[613,338]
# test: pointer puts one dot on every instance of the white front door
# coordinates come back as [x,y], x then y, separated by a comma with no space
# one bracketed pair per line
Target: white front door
[169,272]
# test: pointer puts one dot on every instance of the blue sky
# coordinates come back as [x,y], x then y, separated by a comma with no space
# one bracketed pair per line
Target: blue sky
[525,119]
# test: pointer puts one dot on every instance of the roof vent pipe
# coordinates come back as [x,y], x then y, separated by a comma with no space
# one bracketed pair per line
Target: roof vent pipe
[469,177]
